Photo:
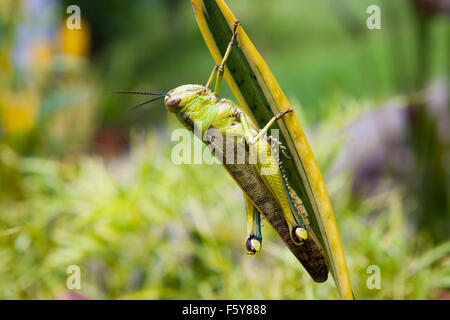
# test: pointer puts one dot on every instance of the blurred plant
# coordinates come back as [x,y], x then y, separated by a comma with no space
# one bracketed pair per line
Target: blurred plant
[433,7]
[413,131]
[46,75]
[132,238]
[431,149]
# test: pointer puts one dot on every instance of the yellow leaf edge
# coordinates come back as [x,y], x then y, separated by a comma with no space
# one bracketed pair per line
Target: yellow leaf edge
[328,225]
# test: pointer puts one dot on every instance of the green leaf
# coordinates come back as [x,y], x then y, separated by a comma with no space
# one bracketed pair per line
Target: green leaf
[260,96]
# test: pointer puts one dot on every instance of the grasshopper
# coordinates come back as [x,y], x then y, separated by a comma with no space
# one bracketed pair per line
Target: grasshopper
[214,121]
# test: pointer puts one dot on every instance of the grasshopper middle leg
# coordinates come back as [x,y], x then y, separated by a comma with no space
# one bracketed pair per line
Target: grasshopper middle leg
[254,238]
[274,141]
[269,124]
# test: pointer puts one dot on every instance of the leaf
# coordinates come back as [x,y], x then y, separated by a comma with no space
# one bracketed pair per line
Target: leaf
[260,96]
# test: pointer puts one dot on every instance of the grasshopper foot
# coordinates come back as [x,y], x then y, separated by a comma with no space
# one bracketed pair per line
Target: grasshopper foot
[283,113]
[252,245]
[299,235]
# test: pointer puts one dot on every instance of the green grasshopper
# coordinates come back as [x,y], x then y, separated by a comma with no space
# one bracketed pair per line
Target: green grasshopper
[261,177]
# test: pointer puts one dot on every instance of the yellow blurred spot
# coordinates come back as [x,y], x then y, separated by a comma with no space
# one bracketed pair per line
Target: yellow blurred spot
[5,62]
[41,54]
[19,111]
[75,41]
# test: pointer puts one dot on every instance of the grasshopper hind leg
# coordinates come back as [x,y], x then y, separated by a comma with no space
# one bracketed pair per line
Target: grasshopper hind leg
[253,242]
[275,181]
[297,230]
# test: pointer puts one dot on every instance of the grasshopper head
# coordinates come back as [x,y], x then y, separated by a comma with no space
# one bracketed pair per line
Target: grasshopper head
[177,98]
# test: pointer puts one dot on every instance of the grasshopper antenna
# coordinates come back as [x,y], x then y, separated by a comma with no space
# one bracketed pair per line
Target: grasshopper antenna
[159,96]
[139,92]
[145,102]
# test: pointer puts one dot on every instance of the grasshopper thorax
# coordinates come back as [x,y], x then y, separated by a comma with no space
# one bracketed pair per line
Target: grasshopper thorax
[179,97]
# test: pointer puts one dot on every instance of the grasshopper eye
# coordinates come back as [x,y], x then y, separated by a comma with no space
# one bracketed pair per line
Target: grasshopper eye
[173,101]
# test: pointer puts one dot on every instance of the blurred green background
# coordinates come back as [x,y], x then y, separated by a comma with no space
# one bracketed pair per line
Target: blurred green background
[85,182]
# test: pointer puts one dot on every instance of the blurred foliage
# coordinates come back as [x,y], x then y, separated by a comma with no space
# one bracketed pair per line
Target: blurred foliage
[75,190]
[141,227]
[44,81]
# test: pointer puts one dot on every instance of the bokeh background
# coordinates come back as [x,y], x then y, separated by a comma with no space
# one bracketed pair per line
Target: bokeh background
[84,181]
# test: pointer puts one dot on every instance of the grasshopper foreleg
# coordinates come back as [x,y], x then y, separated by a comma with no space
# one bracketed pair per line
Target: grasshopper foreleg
[211,77]
[221,68]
